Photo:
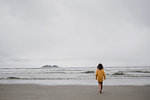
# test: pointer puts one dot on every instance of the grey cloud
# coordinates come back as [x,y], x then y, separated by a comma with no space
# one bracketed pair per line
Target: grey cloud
[113,32]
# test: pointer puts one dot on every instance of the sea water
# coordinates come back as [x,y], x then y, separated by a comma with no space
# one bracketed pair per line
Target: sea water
[116,75]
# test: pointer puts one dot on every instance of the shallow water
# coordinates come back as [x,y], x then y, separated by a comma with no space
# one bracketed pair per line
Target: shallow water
[131,75]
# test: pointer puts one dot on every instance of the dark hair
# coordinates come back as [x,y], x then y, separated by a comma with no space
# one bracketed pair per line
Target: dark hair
[100,66]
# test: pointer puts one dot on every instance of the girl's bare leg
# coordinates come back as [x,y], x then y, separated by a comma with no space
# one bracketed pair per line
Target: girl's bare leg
[100,87]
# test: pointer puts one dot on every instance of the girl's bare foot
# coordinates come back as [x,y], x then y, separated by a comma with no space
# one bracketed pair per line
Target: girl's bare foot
[100,91]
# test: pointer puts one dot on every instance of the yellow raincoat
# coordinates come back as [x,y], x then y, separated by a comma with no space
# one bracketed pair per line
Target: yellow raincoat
[100,74]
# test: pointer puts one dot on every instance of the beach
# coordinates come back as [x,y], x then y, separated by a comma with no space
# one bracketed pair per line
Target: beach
[72,92]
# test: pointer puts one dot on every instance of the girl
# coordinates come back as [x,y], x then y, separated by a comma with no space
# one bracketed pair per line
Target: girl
[100,74]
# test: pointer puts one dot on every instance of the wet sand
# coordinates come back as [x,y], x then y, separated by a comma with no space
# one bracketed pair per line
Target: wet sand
[72,92]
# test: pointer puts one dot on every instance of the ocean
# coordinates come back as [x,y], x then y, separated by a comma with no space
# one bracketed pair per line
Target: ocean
[116,75]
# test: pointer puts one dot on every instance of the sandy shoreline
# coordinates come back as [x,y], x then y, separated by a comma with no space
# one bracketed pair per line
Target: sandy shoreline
[72,92]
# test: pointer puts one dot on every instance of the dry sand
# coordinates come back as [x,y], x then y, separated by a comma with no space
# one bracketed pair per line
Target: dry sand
[37,92]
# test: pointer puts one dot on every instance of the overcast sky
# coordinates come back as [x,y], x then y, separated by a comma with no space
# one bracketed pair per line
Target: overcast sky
[74,32]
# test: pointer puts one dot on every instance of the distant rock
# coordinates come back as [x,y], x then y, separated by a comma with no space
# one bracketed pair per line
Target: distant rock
[50,66]
[88,72]
[118,73]
[13,78]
